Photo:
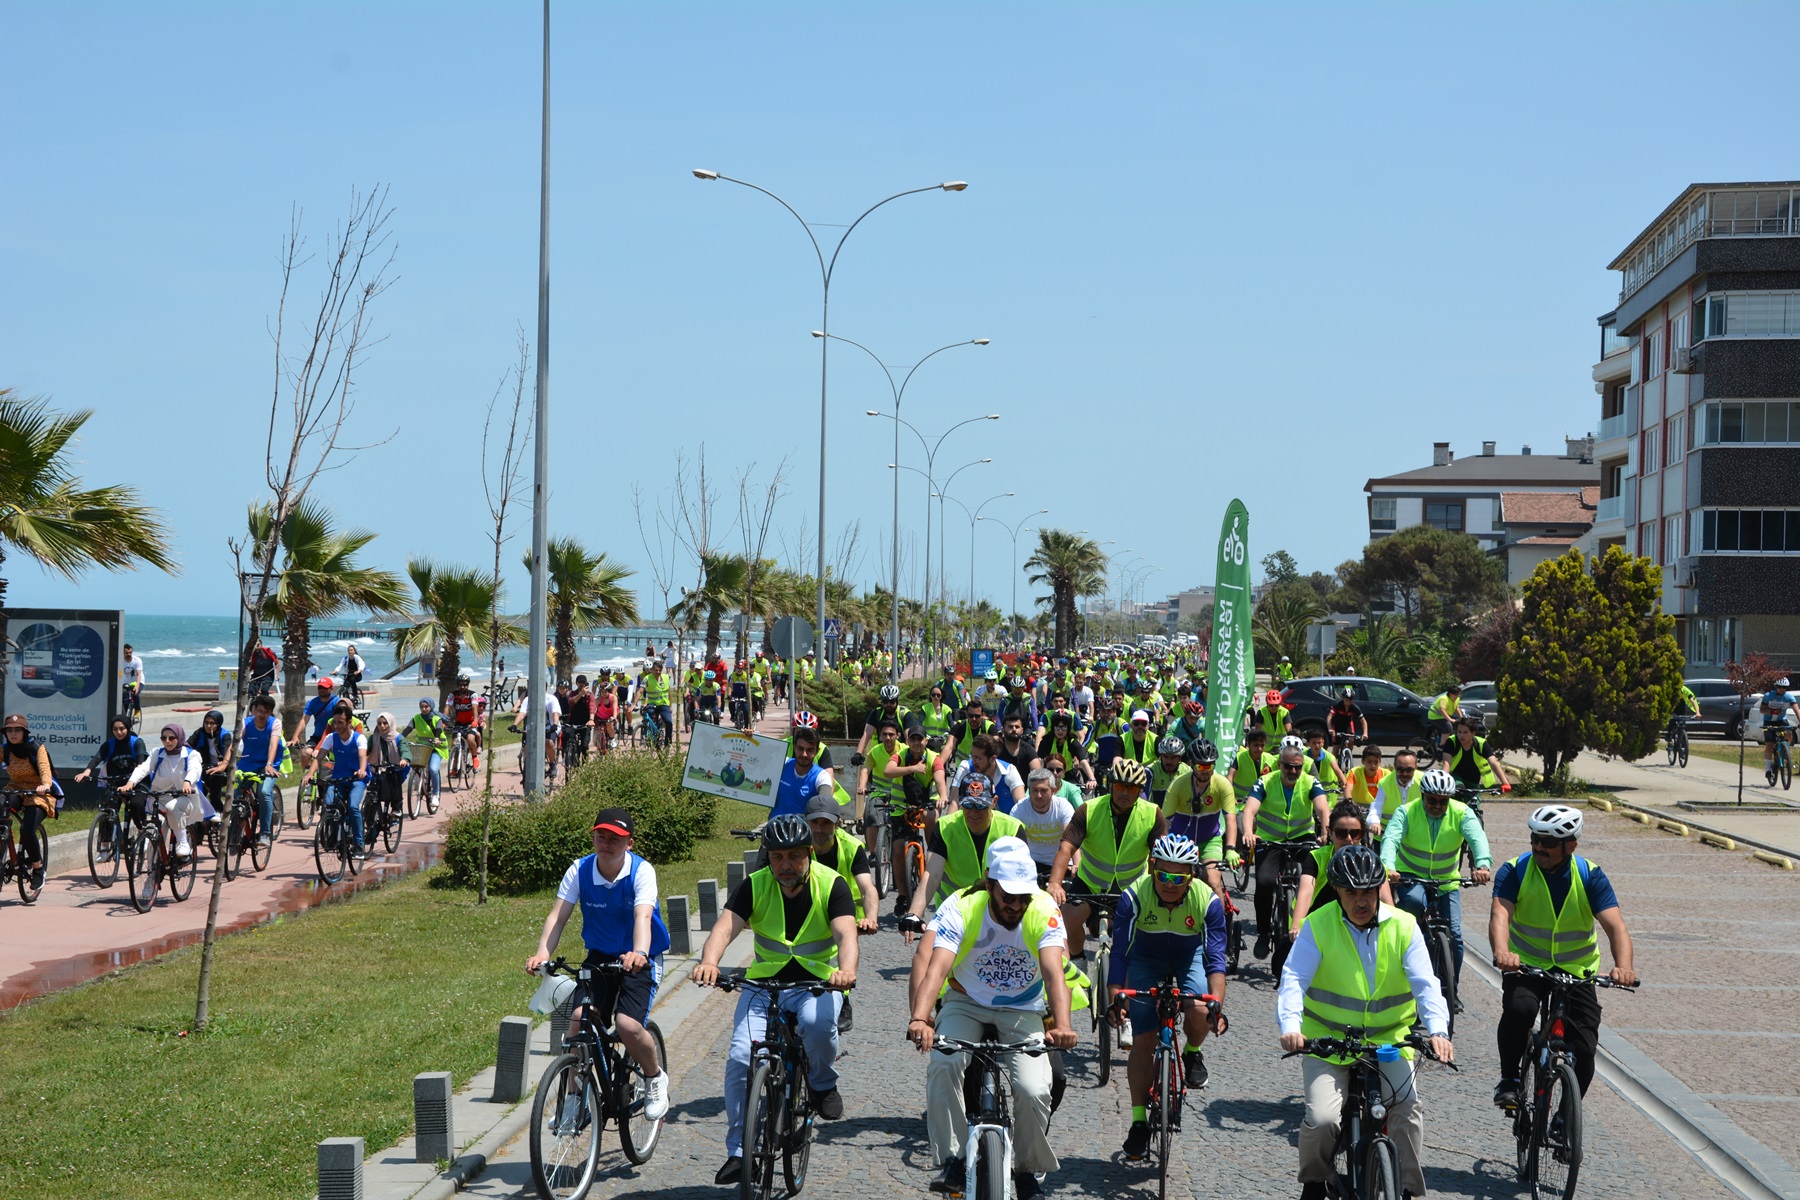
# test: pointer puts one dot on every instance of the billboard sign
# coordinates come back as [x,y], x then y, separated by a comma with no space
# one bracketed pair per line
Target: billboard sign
[63,673]
[738,766]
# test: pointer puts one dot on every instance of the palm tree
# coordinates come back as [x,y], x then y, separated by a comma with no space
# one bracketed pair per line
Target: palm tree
[586,591]
[456,609]
[1072,566]
[722,578]
[318,577]
[47,515]
[1384,649]
[1279,625]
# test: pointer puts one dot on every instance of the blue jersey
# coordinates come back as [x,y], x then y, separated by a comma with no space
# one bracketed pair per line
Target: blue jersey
[609,911]
[1775,706]
[795,789]
[319,710]
[253,744]
[1168,947]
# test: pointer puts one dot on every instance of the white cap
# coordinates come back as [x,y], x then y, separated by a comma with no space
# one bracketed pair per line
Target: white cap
[1140,715]
[1009,863]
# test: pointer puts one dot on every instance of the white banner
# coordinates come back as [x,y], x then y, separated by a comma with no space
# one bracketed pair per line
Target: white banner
[738,766]
[63,674]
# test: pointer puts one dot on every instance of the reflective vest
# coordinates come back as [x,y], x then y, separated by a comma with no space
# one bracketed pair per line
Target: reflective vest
[847,847]
[1274,721]
[1038,916]
[1544,937]
[812,947]
[1245,774]
[1480,749]
[935,718]
[428,731]
[1106,861]
[656,689]
[1130,747]
[881,786]
[1186,919]
[1427,857]
[962,866]
[1363,786]
[1161,780]
[1286,816]
[1339,999]
[1064,750]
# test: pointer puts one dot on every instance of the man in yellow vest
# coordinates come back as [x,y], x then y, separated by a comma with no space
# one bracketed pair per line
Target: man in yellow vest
[999,950]
[1424,843]
[1360,965]
[954,847]
[1466,757]
[1546,904]
[1398,788]
[804,920]
[1138,742]
[1287,806]
[1114,834]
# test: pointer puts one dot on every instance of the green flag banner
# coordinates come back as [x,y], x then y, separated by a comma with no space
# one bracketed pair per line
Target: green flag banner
[1232,670]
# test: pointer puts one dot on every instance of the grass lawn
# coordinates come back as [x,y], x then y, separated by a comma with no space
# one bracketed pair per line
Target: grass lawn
[319,1024]
[1727,752]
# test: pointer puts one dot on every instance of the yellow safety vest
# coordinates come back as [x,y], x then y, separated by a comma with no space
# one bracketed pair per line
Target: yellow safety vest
[847,847]
[962,866]
[1426,857]
[1339,999]
[1106,861]
[813,947]
[1544,937]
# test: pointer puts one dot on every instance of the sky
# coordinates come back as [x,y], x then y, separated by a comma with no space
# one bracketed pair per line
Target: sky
[1220,251]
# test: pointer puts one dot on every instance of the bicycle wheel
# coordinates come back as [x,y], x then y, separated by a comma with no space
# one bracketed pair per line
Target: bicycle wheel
[1381,1170]
[145,865]
[637,1135]
[237,841]
[1784,763]
[1284,938]
[1168,1088]
[992,1156]
[414,779]
[762,1135]
[433,798]
[797,1136]
[882,861]
[1234,944]
[1683,738]
[1240,874]
[306,806]
[181,874]
[259,853]
[915,869]
[278,814]
[1556,1135]
[1670,748]
[327,835]
[1103,1036]
[390,830]
[565,1130]
[1443,960]
[103,862]
[1522,1115]
[1425,751]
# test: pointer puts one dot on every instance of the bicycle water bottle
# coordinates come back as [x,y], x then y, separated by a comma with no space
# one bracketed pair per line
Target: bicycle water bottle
[1387,1054]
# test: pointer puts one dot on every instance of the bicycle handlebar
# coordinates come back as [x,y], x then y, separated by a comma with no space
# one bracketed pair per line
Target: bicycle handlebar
[1107,900]
[1563,978]
[731,983]
[956,1046]
[1356,1047]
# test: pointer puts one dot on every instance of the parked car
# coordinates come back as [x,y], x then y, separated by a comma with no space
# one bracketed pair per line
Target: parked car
[1721,708]
[1480,700]
[1396,715]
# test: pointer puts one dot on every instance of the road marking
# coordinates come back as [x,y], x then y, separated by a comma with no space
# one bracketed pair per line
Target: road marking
[1735,1033]
[1746,1098]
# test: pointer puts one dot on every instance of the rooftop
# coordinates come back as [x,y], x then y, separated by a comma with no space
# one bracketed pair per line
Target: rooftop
[1575,468]
[1549,508]
[1547,540]
[1708,210]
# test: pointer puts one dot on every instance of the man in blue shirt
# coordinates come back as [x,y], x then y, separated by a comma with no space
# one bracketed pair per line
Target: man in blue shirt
[620,923]
[260,749]
[313,720]
[1777,721]
[802,776]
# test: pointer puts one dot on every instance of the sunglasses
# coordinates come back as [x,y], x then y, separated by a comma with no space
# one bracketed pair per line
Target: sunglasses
[1347,834]
[1547,843]
[1404,770]
[1172,877]
[1057,770]
[169,737]
[1290,768]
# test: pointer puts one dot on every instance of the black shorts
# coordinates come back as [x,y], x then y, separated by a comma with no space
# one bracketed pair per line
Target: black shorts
[627,995]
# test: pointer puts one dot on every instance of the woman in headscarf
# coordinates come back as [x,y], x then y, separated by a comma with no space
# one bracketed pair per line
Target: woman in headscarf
[27,763]
[214,745]
[174,768]
[384,755]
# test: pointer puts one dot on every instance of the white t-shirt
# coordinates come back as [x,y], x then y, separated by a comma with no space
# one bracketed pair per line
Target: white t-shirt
[132,669]
[1081,697]
[999,971]
[643,890]
[552,709]
[1043,830]
[1003,775]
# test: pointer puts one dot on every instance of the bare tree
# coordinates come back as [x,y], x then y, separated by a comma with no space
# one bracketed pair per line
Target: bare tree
[755,514]
[310,405]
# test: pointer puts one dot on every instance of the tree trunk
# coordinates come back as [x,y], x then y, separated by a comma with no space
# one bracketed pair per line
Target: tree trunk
[296,646]
[565,642]
[3,658]
[714,617]
[449,666]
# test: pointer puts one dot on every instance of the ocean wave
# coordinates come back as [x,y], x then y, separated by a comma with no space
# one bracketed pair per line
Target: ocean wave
[163,654]
[217,650]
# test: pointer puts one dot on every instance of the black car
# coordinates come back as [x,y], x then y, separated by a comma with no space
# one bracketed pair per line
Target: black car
[1396,716]
[1721,708]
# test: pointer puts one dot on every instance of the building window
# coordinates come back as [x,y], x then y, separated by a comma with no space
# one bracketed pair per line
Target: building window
[1646,543]
[1671,539]
[1757,421]
[1654,361]
[1750,531]
[1383,514]
[1712,639]
[1753,315]
[1444,514]
[1673,440]
[1649,457]
[1678,333]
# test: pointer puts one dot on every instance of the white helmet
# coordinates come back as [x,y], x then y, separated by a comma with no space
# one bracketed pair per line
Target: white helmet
[1438,782]
[1556,820]
[1291,742]
[1175,848]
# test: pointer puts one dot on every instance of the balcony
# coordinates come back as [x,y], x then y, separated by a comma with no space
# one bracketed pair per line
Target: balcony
[1612,508]
[1720,213]
[1612,427]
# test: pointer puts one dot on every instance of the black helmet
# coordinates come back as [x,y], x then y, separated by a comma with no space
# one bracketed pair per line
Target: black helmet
[1201,750]
[1171,746]
[1356,868]
[789,831]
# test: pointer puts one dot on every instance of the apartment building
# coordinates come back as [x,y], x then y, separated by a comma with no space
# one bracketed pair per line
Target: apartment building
[1699,436]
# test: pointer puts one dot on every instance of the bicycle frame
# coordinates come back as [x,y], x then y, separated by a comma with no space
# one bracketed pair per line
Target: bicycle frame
[993,1117]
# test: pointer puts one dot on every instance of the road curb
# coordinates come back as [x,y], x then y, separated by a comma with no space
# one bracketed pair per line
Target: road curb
[1646,816]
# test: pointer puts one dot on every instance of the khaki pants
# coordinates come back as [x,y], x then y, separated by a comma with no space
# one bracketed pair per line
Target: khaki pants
[1324,1084]
[946,1118]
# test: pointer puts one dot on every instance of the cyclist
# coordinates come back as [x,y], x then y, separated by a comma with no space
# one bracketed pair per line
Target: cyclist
[1399,786]
[1470,761]
[1360,965]
[1349,825]
[1425,838]
[1322,764]
[261,749]
[1684,700]
[349,751]
[1114,834]
[131,674]
[1275,717]
[1287,806]
[1064,742]
[1192,725]
[1284,671]
[1546,904]
[835,850]
[973,725]
[1778,720]
[579,713]
[621,922]
[1107,722]
[607,701]
[1365,778]
[27,763]
[1006,783]
[174,767]
[707,697]
[935,715]
[428,729]
[1443,712]
[216,752]
[997,960]
[991,695]
[1042,819]
[118,754]
[889,706]
[1138,743]
[802,776]
[955,844]
[804,922]
[318,711]
[552,726]
[1347,717]
[1170,925]
[1252,763]
[468,713]
[873,781]
[1202,805]
[656,698]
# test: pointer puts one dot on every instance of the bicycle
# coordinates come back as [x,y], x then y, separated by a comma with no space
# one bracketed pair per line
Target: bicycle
[243,824]
[131,707]
[1234,930]
[421,797]
[310,800]
[383,815]
[1781,764]
[12,854]
[1371,1164]
[1547,1121]
[1675,741]
[1168,1081]
[462,763]
[574,746]
[778,1120]
[1287,894]
[1344,747]
[988,1145]
[151,858]
[1101,905]
[1465,858]
[650,730]
[108,838]
[589,1082]
[910,851]
[1440,943]
[332,847]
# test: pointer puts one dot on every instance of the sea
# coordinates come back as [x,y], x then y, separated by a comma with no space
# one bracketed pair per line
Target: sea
[193,649]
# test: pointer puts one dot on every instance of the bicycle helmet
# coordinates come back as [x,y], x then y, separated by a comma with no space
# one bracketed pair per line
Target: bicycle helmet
[1291,742]
[462,677]
[805,720]
[1170,747]
[991,674]
[889,692]
[1348,692]
[1273,698]
[1064,719]
[1356,868]
[1130,772]
[1017,681]
[1556,820]
[1202,750]
[1176,848]
[1192,708]
[789,831]
[1437,782]
[710,675]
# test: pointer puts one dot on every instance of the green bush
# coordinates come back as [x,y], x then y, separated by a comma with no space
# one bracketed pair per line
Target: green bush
[530,846]
[839,704]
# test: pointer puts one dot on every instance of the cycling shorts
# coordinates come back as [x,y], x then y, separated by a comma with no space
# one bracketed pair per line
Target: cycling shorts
[1146,971]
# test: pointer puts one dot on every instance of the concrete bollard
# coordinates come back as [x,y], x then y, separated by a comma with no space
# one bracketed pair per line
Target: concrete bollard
[513,1058]
[434,1138]
[679,940]
[341,1168]
[709,903]
[750,857]
[734,876]
[559,1024]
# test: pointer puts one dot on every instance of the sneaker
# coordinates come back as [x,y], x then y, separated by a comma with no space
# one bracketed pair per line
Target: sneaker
[37,876]
[264,841]
[950,1181]
[1458,1006]
[1262,945]
[1194,1069]
[731,1172]
[214,819]
[1312,1191]
[656,1096]
[357,849]
[1506,1095]
[829,1104]
[183,850]
[1026,1186]
[1137,1141]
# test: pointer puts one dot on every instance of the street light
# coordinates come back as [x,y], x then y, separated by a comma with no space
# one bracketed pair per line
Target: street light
[1017,569]
[899,391]
[974,515]
[826,269]
[943,535]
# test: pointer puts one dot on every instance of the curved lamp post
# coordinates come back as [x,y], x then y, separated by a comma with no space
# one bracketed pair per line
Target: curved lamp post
[1017,569]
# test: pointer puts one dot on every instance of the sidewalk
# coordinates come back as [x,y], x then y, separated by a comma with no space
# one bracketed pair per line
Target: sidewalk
[1706,784]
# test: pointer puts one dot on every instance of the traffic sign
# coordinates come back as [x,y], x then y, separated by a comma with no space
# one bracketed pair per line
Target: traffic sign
[791,637]
[834,627]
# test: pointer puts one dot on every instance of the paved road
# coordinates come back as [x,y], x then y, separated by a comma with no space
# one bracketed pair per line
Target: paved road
[1684,901]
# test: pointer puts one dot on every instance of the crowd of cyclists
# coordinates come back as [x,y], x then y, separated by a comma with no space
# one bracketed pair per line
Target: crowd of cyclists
[1057,793]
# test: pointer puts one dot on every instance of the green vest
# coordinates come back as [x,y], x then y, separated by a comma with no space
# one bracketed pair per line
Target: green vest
[1339,998]
[1106,861]
[1161,781]
[656,689]
[1285,816]
[1274,721]
[962,866]
[847,847]
[428,731]
[935,718]
[1144,752]
[1063,750]
[881,786]
[1544,937]
[1427,857]
[1187,919]
[1480,748]
[1244,775]
[813,947]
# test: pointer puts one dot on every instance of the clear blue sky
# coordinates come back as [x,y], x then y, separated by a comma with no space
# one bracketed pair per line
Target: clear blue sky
[1221,250]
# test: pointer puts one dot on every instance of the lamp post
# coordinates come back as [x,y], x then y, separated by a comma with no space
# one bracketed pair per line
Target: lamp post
[536,727]
[826,269]
[1017,569]
[899,391]
[943,534]
[974,515]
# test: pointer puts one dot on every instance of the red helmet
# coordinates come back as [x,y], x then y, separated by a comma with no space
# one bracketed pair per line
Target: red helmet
[325,684]
[742,663]
[1274,697]
[805,720]
[1192,708]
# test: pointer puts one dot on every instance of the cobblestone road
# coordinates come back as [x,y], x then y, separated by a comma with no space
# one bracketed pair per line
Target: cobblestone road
[1239,1136]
